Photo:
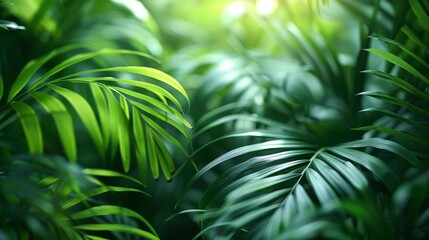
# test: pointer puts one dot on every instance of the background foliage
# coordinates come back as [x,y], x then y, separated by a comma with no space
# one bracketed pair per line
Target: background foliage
[303,120]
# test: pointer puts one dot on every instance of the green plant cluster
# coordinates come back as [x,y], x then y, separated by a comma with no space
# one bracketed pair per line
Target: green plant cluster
[255,119]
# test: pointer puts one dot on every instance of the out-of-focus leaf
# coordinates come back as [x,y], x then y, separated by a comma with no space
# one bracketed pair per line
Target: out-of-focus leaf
[117,228]
[10,25]
[108,210]
[63,122]
[421,13]
[1,87]
[31,125]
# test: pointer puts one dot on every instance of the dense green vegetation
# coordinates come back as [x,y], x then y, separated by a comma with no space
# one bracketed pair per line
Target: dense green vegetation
[257,119]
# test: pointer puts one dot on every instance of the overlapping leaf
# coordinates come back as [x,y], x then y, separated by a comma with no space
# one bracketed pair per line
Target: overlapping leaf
[125,109]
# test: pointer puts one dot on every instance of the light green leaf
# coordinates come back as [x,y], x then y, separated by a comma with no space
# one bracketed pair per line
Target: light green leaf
[31,126]
[85,112]
[124,105]
[109,173]
[152,153]
[82,57]
[120,124]
[117,228]
[140,144]
[63,122]
[103,112]
[28,71]
[148,72]
[162,117]
[157,90]
[91,237]
[165,134]
[164,158]
[124,140]
[156,103]
[113,121]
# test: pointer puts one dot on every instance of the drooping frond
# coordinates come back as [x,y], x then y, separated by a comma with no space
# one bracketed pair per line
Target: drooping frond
[133,105]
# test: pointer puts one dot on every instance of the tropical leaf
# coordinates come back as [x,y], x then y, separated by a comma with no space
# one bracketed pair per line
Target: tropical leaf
[31,125]
[292,179]
[63,122]
[108,124]
[39,194]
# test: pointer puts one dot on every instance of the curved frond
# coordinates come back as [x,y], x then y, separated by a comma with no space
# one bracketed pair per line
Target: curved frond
[40,193]
[152,103]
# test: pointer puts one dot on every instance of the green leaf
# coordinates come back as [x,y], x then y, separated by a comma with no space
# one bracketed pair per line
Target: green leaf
[421,14]
[63,122]
[109,173]
[163,118]
[323,190]
[386,145]
[390,57]
[152,153]
[399,102]
[82,57]
[124,140]
[157,90]
[140,144]
[402,135]
[376,166]
[413,36]
[399,82]
[31,126]
[157,104]
[113,120]
[117,228]
[403,47]
[85,113]
[103,112]
[148,72]
[164,157]
[108,210]
[97,191]
[1,87]
[165,134]
[120,124]
[30,69]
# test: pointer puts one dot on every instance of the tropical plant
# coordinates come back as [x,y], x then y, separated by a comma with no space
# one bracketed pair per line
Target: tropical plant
[310,119]
[307,164]
[76,102]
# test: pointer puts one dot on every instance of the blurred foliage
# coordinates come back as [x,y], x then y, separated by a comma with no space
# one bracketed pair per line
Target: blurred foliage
[304,119]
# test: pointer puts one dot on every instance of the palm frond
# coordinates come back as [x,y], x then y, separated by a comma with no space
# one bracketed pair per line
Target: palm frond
[281,181]
[151,103]
[47,197]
